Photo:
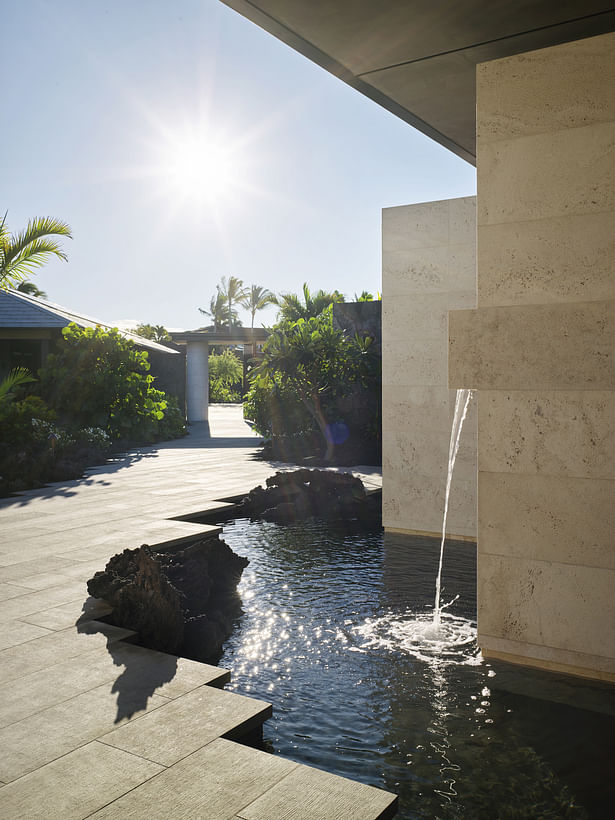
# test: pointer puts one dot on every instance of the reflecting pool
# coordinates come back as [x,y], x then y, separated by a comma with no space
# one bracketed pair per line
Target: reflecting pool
[336,634]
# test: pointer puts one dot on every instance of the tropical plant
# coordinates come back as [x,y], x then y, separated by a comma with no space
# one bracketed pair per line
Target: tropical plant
[257,298]
[31,290]
[225,376]
[98,378]
[218,310]
[315,359]
[22,253]
[233,292]
[292,308]
[16,377]
[156,333]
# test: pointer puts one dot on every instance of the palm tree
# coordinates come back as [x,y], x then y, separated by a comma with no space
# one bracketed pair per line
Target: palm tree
[257,298]
[292,309]
[21,253]
[233,292]
[157,333]
[218,310]
[31,289]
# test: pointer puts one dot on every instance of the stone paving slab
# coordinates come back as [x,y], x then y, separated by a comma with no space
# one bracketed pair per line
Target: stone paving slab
[188,723]
[51,733]
[90,722]
[62,617]
[74,786]
[125,667]
[311,794]
[214,782]
[48,650]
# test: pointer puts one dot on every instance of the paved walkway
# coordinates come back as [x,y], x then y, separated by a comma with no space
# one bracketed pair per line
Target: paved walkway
[94,726]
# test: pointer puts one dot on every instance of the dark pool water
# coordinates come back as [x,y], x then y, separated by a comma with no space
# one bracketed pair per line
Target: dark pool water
[330,636]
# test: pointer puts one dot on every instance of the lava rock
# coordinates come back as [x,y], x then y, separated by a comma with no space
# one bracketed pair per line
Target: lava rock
[299,494]
[181,600]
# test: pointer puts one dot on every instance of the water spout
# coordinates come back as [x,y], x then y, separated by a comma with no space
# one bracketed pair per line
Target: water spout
[462,402]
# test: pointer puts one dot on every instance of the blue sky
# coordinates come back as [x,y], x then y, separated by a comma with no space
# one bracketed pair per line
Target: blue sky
[182,143]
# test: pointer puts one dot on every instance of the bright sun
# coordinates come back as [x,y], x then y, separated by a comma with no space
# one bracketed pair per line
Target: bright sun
[201,169]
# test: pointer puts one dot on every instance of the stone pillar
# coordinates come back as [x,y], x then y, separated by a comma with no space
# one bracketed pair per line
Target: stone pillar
[540,348]
[197,380]
[428,267]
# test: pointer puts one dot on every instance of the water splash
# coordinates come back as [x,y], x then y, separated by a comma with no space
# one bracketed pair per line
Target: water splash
[462,402]
[453,641]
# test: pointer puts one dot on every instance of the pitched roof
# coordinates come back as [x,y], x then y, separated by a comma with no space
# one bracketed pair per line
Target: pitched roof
[20,310]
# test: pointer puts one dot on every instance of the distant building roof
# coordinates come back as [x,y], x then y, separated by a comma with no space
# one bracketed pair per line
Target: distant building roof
[239,335]
[20,310]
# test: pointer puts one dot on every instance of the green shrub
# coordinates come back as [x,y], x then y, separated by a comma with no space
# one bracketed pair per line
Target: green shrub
[275,409]
[314,377]
[34,449]
[225,377]
[98,378]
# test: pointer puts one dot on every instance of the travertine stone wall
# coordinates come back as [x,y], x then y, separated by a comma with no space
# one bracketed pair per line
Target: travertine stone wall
[540,348]
[429,267]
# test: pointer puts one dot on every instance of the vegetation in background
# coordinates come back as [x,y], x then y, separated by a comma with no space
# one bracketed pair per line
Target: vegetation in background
[292,308]
[35,449]
[31,289]
[16,377]
[22,253]
[217,310]
[225,377]
[100,378]
[94,390]
[366,296]
[221,307]
[257,298]
[315,379]
[156,333]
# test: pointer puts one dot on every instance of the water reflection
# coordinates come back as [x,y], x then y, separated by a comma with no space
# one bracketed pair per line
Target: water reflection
[327,636]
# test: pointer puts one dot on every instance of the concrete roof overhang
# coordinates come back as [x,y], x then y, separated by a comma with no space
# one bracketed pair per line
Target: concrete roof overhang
[417,58]
[239,336]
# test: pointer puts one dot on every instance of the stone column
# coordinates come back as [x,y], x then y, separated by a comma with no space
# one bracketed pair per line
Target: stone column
[428,267]
[197,380]
[540,348]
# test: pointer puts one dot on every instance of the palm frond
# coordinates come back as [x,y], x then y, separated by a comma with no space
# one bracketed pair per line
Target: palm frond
[21,253]
[20,262]
[16,377]
[31,289]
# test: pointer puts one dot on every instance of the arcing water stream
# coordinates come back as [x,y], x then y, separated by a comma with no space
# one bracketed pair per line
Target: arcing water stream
[462,402]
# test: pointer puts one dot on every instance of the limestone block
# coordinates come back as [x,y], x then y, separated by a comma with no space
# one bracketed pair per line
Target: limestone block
[415,270]
[546,175]
[424,316]
[559,259]
[424,225]
[560,432]
[546,90]
[416,454]
[549,518]
[553,659]
[547,603]
[462,221]
[405,406]
[415,502]
[550,347]
[420,361]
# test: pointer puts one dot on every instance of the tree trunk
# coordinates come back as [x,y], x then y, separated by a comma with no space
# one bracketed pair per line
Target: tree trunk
[316,411]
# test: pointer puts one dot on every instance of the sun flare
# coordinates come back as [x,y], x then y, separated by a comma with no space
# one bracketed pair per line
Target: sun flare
[201,168]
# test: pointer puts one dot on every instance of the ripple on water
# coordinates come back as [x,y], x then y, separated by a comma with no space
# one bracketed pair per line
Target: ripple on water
[452,642]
